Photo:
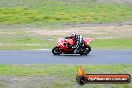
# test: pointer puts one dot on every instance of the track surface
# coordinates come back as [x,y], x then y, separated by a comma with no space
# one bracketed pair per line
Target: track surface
[46,57]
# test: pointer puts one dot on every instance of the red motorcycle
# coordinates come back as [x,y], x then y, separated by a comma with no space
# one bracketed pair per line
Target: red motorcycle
[82,48]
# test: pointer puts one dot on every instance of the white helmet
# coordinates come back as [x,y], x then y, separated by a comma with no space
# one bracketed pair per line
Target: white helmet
[74,34]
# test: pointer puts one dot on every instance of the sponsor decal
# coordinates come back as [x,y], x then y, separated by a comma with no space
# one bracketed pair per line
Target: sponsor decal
[83,78]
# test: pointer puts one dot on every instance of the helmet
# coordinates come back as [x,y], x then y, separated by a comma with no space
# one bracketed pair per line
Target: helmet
[74,35]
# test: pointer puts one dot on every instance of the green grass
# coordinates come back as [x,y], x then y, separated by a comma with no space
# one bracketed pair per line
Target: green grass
[36,43]
[50,12]
[61,70]
[20,39]
[60,12]
[66,73]
[118,43]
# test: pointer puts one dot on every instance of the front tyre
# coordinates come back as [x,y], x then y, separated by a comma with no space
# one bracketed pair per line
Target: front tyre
[56,51]
[86,50]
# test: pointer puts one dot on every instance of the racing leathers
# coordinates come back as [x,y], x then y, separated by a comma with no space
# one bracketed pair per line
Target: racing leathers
[75,39]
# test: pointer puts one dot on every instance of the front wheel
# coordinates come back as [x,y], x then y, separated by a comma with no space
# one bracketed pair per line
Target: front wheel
[56,51]
[86,50]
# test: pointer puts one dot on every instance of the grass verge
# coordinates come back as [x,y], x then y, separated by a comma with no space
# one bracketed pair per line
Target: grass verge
[38,43]
[119,43]
[20,40]
[59,12]
[65,74]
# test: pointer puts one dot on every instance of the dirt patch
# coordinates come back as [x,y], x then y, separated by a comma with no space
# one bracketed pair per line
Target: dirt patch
[104,31]
[30,81]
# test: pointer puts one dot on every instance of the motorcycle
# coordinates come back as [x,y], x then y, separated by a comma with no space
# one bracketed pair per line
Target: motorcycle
[82,48]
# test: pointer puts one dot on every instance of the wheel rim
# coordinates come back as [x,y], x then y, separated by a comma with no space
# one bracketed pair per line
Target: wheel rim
[56,51]
[86,50]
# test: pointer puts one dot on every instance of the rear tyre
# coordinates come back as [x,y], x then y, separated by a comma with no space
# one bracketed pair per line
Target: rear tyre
[86,50]
[56,51]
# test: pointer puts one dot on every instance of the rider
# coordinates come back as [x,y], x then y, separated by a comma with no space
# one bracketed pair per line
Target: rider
[74,37]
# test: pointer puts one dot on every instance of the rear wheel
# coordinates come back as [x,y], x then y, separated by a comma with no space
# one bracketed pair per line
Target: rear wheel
[86,50]
[56,51]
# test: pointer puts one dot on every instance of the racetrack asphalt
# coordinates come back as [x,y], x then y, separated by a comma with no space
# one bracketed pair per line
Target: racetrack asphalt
[96,56]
